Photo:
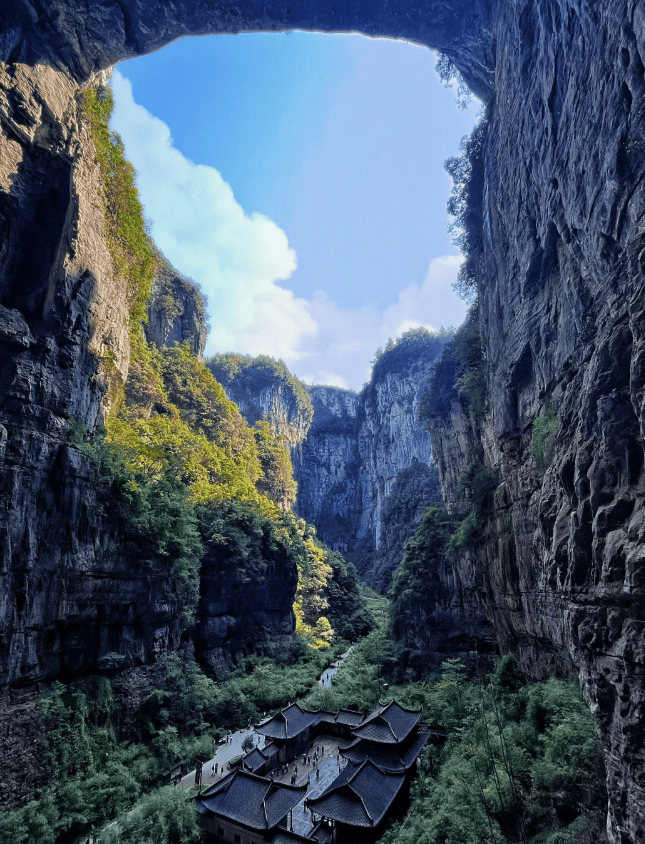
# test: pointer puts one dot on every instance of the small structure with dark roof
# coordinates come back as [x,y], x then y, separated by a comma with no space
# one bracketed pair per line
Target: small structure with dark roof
[289,729]
[391,758]
[358,800]
[247,809]
[389,724]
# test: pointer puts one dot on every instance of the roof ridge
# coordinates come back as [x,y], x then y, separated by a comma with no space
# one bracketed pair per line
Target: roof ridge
[349,785]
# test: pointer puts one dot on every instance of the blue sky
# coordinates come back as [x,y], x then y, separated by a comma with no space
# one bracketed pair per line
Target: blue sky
[299,178]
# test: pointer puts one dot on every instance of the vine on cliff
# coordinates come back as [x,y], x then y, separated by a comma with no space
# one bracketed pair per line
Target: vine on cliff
[126,231]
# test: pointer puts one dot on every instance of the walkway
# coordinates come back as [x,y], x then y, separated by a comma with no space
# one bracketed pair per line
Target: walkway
[224,753]
[328,768]
[326,677]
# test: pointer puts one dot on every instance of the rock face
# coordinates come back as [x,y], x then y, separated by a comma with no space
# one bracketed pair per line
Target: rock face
[247,586]
[176,312]
[264,389]
[359,442]
[71,595]
[560,272]
[57,32]
[561,305]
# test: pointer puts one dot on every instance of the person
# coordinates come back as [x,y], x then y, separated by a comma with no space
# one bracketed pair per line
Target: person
[213,770]
[317,774]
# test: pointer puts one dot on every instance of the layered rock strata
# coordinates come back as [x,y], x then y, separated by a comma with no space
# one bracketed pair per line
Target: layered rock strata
[359,443]
[73,596]
[560,275]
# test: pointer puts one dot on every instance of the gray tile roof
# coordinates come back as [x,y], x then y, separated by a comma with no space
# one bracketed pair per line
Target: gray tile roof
[349,717]
[389,724]
[359,796]
[345,717]
[387,757]
[253,801]
[287,724]
[254,759]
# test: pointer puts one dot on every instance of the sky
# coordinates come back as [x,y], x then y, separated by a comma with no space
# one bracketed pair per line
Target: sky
[298,178]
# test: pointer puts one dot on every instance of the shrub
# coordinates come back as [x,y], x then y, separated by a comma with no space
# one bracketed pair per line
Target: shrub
[126,232]
[465,206]
[460,373]
[543,427]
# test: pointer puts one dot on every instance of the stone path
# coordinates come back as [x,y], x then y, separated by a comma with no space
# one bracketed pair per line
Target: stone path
[326,677]
[328,767]
[224,753]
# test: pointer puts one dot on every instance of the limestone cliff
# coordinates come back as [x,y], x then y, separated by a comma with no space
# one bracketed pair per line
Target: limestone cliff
[265,390]
[555,232]
[176,310]
[72,595]
[359,443]
[84,589]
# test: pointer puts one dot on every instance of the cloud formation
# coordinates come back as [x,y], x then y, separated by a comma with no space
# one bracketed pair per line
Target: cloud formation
[197,223]
[242,261]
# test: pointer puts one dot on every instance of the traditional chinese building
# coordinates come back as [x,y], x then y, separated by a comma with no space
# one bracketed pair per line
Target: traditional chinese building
[244,808]
[381,761]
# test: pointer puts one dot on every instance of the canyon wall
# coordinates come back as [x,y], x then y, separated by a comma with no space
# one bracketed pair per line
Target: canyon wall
[347,448]
[359,443]
[264,389]
[558,255]
[559,267]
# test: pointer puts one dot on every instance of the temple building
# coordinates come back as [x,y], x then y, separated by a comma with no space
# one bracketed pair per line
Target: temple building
[244,808]
[348,804]
[373,786]
[290,731]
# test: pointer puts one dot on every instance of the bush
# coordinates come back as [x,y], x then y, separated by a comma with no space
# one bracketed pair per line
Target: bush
[465,206]
[543,427]
[460,374]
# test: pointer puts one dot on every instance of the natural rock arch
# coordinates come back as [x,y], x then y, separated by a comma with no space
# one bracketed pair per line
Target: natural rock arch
[84,38]
[562,303]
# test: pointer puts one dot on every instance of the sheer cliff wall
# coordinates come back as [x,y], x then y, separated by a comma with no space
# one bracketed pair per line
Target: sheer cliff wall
[359,443]
[560,273]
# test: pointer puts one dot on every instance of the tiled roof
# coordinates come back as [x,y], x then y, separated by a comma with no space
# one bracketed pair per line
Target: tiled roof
[349,717]
[387,757]
[248,799]
[270,749]
[345,717]
[254,759]
[359,796]
[389,724]
[287,724]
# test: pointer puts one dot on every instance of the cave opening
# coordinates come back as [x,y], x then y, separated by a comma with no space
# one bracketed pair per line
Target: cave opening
[298,177]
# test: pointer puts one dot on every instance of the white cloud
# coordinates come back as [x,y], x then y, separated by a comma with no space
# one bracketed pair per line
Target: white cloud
[432,304]
[239,259]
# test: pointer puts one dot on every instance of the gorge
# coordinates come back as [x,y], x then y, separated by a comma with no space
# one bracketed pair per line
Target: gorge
[553,208]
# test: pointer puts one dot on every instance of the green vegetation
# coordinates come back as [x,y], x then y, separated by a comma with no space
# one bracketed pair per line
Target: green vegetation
[260,372]
[126,232]
[543,427]
[465,206]
[405,351]
[459,374]
[104,756]
[277,481]
[476,484]
[164,282]
[516,766]
[449,75]
[160,518]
